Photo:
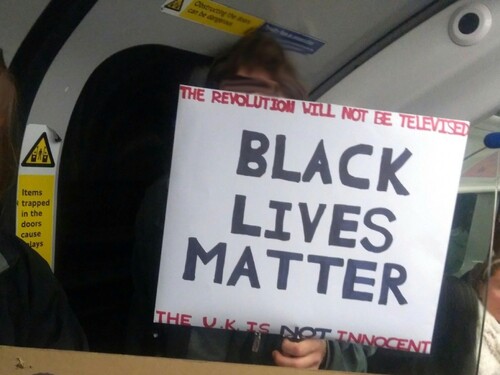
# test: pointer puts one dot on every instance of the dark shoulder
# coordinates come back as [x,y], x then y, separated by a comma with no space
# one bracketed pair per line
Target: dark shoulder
[11,250]
[158,191]
[14,252]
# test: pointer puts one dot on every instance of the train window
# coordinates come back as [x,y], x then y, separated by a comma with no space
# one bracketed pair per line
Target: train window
[470,240]
[461,257]
[118,143]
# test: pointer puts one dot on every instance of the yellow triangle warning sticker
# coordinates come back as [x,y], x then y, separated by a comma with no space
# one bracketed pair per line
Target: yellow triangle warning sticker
[174,5]
[40,154]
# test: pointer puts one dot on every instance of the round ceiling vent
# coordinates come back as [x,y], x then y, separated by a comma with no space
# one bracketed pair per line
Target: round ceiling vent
[470,24]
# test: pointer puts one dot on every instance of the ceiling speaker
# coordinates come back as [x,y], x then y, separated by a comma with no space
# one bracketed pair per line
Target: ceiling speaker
[470,24]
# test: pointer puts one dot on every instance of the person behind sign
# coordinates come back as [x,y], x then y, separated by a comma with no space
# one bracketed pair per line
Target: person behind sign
[255,64]
[485,279]
[453,349]
[34,310]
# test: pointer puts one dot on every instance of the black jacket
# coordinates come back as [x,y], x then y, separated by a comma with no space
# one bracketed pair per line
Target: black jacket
[34,310]
[148,338]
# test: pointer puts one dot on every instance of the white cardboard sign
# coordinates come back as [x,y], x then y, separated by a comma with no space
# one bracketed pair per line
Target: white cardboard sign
[307,219]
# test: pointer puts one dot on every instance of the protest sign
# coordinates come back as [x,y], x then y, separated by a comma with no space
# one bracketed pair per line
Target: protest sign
[307,219]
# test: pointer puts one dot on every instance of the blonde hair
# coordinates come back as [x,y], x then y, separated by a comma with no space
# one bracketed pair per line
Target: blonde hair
[8,103]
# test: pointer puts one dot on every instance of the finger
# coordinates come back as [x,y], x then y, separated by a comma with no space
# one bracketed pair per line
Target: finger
[293,348]
[306,362]
[303,347]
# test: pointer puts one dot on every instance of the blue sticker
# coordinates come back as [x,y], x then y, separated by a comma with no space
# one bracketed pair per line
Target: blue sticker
[293,41]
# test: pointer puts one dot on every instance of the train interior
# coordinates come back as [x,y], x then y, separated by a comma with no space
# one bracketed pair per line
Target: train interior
[105,75]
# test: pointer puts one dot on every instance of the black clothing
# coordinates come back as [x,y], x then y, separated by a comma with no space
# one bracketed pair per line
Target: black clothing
[148,338]
[34,310]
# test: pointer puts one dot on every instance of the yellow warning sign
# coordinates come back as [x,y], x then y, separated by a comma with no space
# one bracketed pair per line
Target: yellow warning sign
[34,212]
[215,15]
[174,5]
[39,155]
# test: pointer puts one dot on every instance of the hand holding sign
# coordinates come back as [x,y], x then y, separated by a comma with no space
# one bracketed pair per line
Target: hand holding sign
[301,354]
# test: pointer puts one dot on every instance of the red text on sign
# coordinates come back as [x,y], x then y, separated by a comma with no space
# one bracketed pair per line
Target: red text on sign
[168,317]
[193,93]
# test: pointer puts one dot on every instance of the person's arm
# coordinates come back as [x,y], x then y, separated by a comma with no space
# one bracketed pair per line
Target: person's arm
[145,263]
[41,315]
